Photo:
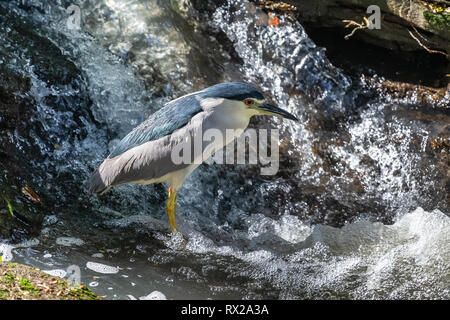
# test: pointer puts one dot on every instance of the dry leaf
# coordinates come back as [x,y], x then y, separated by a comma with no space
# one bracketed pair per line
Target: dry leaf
[30,193]
[274,21]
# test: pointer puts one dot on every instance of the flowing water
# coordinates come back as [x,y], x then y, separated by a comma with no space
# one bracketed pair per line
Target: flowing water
[359,208]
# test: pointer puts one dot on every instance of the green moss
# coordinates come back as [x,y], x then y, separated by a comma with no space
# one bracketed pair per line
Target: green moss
[25,284]
[83,293]
[4,294]
[438,21]
[9,277]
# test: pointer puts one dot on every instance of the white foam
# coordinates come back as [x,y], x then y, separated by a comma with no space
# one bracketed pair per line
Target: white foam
[69,241]
[408,259]
[56,272]
[155,295]
[101,268]
[6,249]
[288,228]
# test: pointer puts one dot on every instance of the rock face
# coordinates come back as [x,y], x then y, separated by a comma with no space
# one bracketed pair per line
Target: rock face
[44,109]
[397,18]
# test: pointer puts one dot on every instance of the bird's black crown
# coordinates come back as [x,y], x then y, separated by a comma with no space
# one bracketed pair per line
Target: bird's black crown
[231,90]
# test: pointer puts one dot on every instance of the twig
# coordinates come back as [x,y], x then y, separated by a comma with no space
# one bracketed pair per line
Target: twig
[418,33]
[426,48]
[357,26]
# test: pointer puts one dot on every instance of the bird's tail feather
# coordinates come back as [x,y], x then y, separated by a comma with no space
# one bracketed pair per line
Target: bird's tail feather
[95,184]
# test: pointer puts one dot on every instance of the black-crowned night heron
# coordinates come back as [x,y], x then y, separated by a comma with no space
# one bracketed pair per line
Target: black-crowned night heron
[145,155]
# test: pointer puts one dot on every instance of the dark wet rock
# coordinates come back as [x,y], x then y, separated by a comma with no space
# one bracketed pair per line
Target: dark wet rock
[43,108]
[431,17]
[423,95]
[391,52]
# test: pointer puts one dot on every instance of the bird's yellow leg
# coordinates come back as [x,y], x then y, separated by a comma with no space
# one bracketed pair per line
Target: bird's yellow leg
[171,209]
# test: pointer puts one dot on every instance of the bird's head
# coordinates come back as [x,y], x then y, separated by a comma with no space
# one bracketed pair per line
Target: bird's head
[244,98]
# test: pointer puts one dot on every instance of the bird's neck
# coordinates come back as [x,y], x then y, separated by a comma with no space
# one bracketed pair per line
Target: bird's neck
[230,118]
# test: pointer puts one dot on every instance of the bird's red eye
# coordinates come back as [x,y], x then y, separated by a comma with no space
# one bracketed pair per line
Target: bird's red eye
[249,102]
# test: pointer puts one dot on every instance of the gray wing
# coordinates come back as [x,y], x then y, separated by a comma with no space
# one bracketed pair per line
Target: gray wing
[144,154]
[151,160]
[163,122]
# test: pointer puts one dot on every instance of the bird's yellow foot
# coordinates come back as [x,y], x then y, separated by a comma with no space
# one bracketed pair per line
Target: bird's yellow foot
[171,209]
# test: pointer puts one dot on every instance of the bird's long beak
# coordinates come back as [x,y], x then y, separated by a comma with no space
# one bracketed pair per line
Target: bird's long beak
[271,110]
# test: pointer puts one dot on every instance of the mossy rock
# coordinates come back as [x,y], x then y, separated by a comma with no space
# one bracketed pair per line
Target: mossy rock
[438,21]
[21,282]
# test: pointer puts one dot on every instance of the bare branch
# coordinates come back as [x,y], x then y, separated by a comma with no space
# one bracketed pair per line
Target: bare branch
[358,26]
[426,48]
